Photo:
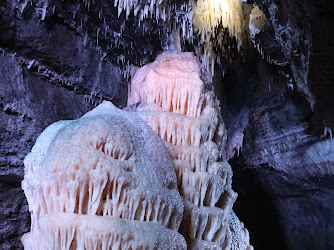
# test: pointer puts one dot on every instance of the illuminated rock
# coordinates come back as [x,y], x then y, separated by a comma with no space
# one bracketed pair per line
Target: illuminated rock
[104,180]
[175,97]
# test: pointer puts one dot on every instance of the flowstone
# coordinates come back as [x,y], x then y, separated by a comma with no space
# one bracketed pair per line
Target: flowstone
[174,96]
[104,181]
[107,181]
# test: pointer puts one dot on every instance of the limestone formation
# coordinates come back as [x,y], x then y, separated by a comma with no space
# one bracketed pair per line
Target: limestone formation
[104,181]
[174,96]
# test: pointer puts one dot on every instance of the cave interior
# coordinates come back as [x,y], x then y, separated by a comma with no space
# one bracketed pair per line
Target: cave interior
[272,69]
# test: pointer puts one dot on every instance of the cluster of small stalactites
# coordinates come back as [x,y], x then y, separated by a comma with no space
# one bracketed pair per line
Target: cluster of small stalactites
[176,83]
[170,95]
[209,14]
[189,97]
[100,166]
[73,231]
[192,18]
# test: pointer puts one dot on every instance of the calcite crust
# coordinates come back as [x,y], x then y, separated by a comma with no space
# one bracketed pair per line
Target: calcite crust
[175,97]
[154,176]
[85,178]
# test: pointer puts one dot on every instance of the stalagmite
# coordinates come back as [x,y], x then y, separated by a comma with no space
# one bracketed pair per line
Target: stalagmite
[174,96]
[104,181]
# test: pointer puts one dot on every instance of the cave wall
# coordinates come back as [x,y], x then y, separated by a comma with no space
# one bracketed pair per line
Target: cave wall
[321,73]
[47,73]
[284,199]
[285,168]
[58,59]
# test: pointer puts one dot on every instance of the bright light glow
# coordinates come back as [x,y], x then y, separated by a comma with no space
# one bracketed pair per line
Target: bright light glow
[210,13]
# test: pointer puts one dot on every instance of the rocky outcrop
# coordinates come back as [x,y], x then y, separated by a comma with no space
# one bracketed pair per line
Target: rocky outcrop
[284,165]
[291,23]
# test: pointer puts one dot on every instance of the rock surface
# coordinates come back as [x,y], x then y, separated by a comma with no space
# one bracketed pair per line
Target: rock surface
[285,165]
[46,75]
[52,67]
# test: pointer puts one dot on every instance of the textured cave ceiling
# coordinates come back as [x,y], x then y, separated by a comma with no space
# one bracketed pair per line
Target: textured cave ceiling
[59,59]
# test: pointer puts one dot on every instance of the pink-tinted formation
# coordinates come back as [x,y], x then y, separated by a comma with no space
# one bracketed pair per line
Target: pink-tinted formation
[104,181]
[107,181]
[175,97]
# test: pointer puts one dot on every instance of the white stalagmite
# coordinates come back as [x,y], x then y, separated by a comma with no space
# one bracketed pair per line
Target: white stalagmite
[104,181]
[174,96]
